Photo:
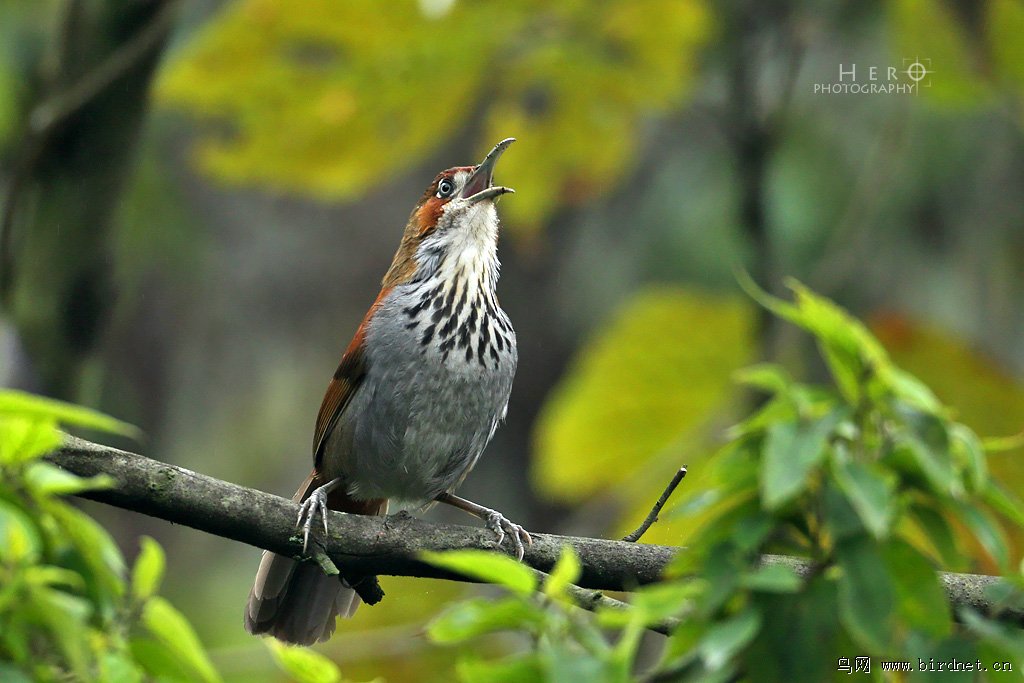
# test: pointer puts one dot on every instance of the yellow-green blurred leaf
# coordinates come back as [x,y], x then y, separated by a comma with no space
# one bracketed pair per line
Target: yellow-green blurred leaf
[22,404]
[25,438]
[148,570]
[174,632]
[470,618]
[565,572]
[19,537]
[1005,25]
[575,95]
[44,479]
[302,664]
[660,369]
[329,98]
[928,32]
[485,566]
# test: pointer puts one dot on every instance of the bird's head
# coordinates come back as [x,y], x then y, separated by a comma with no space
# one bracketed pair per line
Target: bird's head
[456,214]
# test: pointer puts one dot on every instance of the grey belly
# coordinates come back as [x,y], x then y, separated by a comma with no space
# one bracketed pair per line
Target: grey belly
[416,425]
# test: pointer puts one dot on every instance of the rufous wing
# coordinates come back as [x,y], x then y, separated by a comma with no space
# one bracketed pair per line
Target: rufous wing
[343,385]
[346,380]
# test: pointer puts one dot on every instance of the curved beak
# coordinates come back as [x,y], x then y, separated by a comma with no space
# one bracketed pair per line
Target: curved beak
[479,187]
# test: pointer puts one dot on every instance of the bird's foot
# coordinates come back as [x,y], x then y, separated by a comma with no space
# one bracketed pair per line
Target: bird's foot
[315,504]
[502,526]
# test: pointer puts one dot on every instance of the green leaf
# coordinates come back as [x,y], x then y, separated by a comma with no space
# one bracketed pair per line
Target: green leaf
[841,519]
[966,447]
[721,570]
[172,630]
[45,479]
[939,534]
[928,447]
[726,638]
[751,531]
[45,575]
[866,594]
[19,537]
[467,619]
[871,491]
[518,669]
[65,616]
[23,439]
[148,571]
[853,355]
[160,662]
[1003,502]
[27,405]
[987,532]
[774,411]
[563,660]
[773,578]
[770,378]
[659,601]
[302,664]
[918,469]
[912,390]
[1000,444]
[565,573]
[93,544]
[792,451]
[1005,639]
[487,566]
[118,667]
[798,639]
[922,601]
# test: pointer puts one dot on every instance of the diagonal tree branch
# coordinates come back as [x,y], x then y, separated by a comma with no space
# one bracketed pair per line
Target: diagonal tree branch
[362,545]
[388,546]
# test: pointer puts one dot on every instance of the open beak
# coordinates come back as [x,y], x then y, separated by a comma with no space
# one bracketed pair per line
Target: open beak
[479,187]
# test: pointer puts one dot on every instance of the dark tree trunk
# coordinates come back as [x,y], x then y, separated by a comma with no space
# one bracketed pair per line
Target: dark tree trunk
[56,275]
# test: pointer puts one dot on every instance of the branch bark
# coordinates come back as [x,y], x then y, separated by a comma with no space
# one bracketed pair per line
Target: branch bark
[375,545]
[362,545]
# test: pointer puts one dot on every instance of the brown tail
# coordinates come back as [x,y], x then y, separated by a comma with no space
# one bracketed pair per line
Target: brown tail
[296,601]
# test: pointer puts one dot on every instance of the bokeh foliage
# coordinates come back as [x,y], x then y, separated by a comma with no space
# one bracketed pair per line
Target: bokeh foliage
[329,98]
[972,64]
[647,382]
[649,392]
[863,477]
[67,608]
[70,609]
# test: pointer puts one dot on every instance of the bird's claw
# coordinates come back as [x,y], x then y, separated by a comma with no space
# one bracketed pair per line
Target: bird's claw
[308,509]
[502,526]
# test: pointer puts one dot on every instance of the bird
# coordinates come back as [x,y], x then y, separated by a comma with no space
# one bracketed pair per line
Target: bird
[417,396]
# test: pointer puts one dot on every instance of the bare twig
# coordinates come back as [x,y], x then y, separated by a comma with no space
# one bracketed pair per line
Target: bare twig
[652,516]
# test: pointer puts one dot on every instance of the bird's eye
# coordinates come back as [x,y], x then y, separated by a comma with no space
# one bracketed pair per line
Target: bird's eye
[445,188]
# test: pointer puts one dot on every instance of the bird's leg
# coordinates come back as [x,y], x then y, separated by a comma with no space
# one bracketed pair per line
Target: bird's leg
[316,503]
[496,521]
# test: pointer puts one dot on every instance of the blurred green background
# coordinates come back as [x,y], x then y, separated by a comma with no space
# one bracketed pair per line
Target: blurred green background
[199,199]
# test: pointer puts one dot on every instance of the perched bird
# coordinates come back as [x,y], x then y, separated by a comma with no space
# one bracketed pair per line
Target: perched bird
[417,396]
